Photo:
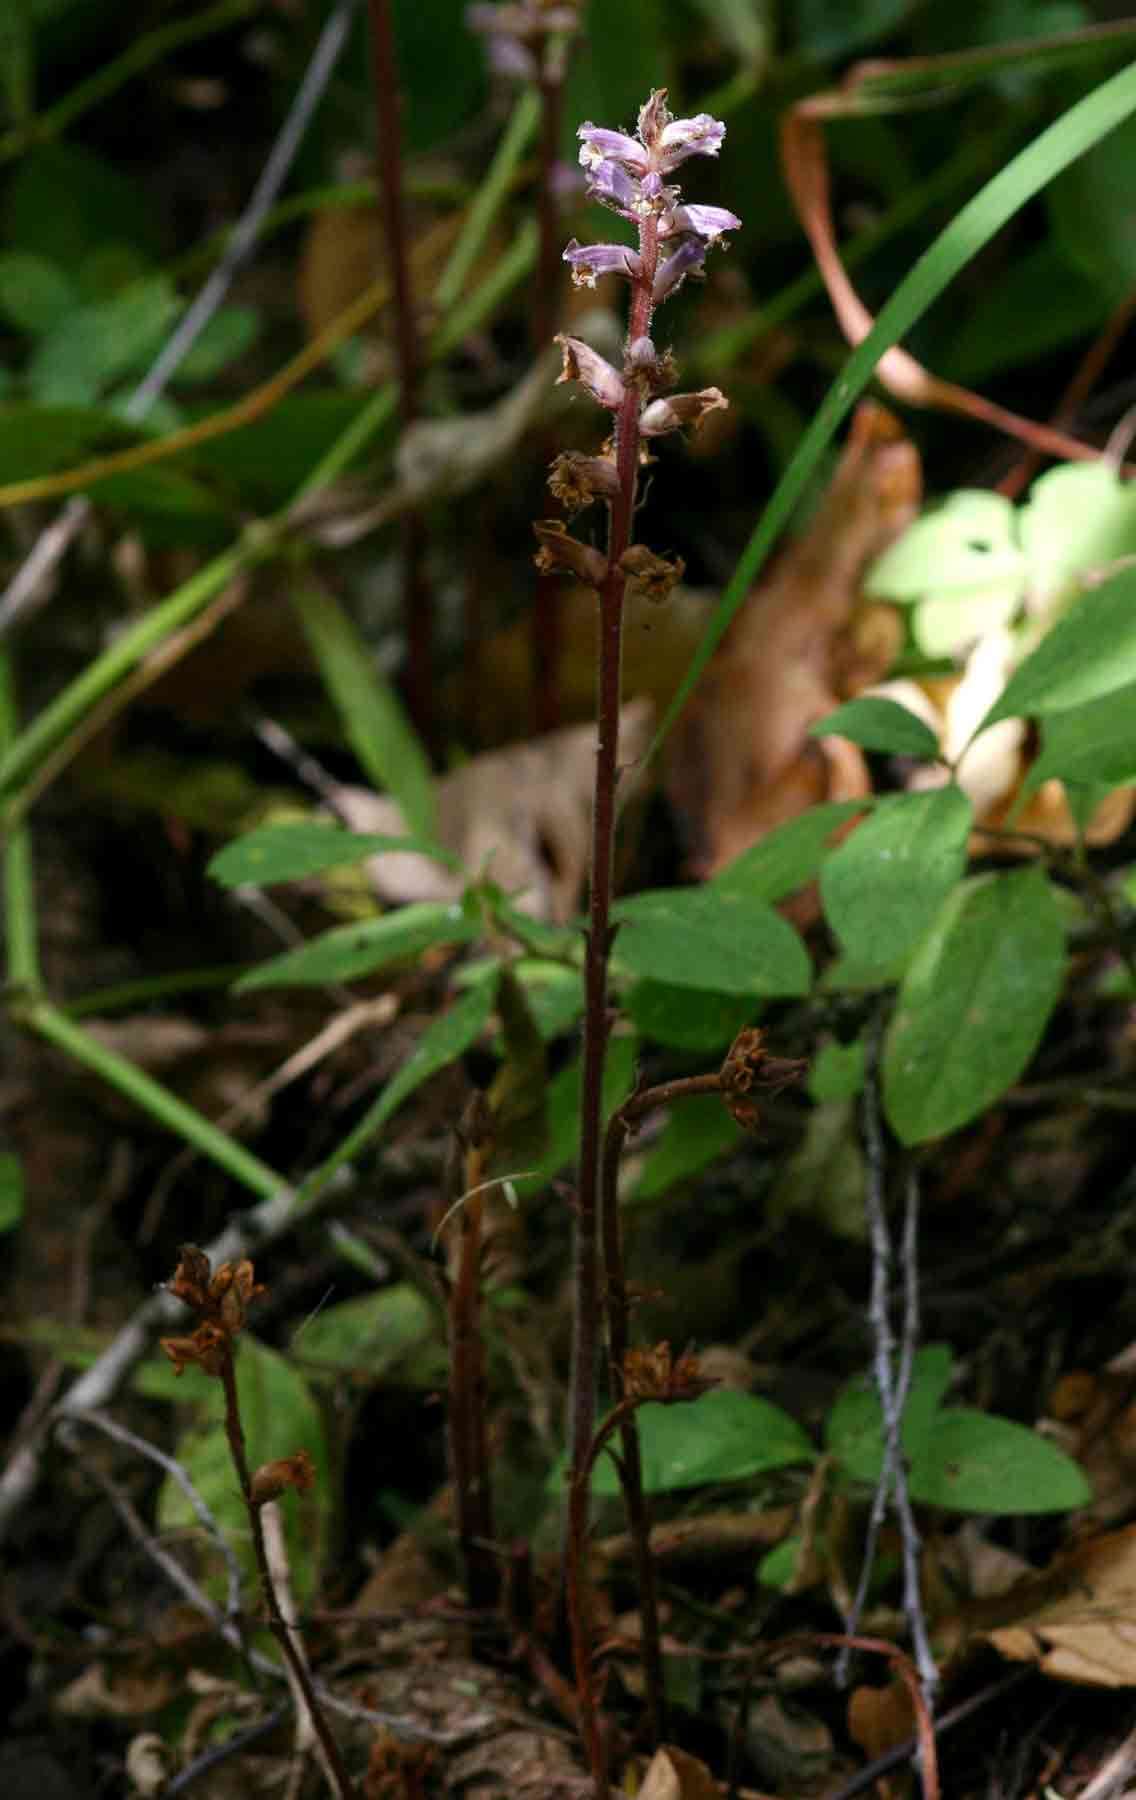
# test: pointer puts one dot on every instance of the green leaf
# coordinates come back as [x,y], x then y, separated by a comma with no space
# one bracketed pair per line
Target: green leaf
[686,1018]
[292,852]
[1090,205]
[970,541]
[853,1431]
[443,1041]
[279,1417]
[837,1071]
[1092,744]
[229,333]
[721,1436]
[879,724]
[11,1190]
[1090,651]
[35,440]
[975,1462]
[973,1004]
[834,28]
[710,938]
[789,857]
[377,727]
[698,1131]
[350,951]
[34,294]
[1003,326]
[1080,516]
[884,884]
[1084,124]
[367,1336]
[64,201]
[564,1109]
[93,345]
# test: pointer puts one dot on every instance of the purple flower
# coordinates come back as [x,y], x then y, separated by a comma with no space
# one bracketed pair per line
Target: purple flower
[700,136]
[708,222]
[589,261]
[599,144]
[677,410]
[611,185]
[686,260]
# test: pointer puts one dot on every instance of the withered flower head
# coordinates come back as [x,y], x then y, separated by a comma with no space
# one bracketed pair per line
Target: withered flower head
[560,551]
[655,575]
[205,1350]
[272,1478]
[219,1299]
[657,1375]
[748,1066]
[576,480]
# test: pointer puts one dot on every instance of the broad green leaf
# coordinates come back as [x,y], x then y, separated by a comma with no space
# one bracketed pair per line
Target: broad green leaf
[166,506]
[686,1018]
[1003,326]
[1090,651]
[35,440]
[834,28]
[973,1004]
[265,461]
[721,1436]
[882,887]
[976,1462]
[34,293]
[11,1190]
[229,333]
[745,26]
[877,723]
[349,952]
[279,1417]
[777,1568]
[791,855]
[64,201]
[947,624]
[292,852]
[95,344]
[367,1336]
[697,1132]
[837,1071]
[377,727]
[1090,744]
[853,1431]
[710,938]
[443,1041]
[970,541]
[1079,516]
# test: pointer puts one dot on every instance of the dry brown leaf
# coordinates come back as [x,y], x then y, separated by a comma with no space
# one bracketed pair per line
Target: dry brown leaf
[1085,1632]
[879,1718]
[741,760]
[673,1775]
[518,815]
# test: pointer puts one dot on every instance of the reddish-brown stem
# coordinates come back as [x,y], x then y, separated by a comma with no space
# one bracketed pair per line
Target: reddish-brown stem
[586,1287]
[417,611]
[618,1337]
[469,1452]
[234,1432]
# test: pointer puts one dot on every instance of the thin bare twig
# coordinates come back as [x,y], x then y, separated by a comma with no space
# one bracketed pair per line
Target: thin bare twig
[892,1379]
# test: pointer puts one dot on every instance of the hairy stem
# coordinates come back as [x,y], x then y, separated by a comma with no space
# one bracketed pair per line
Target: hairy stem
[586,1294]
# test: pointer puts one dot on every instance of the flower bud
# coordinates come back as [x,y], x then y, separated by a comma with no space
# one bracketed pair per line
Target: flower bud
[677,410]
[272,1478]
[591,370]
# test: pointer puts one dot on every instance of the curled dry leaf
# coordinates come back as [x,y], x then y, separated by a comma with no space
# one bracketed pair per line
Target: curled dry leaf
[741,760]
[673,1775]
[520,814]
[1083,1627]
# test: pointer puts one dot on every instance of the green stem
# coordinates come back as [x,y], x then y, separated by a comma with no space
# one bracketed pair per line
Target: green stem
[487,201]
[166,1108]
[19,886]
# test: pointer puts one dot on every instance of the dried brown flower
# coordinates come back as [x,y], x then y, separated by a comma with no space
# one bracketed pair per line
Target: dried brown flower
[272,1478]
